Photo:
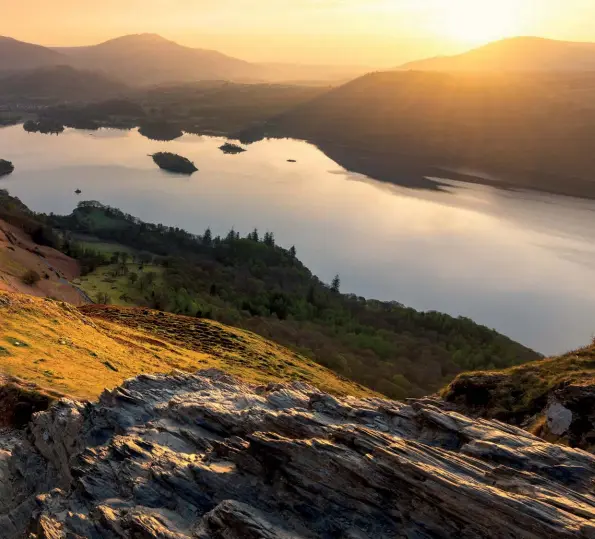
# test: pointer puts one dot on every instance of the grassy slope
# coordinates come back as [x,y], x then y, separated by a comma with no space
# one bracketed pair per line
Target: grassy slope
[56,346]
[520,395]
[119,289]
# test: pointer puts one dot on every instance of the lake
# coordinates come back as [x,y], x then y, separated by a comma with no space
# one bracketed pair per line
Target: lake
[518,261]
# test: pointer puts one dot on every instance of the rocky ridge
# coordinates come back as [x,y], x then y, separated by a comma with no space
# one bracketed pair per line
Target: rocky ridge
[207,456]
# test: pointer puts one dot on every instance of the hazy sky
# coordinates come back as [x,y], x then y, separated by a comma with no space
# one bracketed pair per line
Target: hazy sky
[371,32]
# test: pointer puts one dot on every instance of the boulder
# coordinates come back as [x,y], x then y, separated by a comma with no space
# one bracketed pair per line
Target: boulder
[206,456]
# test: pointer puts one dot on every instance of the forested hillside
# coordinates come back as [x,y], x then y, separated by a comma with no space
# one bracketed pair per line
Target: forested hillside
[252,283]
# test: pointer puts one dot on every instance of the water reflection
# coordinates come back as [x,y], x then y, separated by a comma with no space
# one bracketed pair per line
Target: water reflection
[518,261]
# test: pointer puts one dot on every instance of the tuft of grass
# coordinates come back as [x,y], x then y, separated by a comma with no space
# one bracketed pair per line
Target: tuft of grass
[19,343]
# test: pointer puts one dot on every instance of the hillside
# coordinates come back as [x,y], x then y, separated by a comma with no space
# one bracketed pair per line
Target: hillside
[251,282]
[205,107]
[529,54]
[79,353]
[150,59]
[553,398]
[18,55]
[525,130]
[51,85]
[254,284]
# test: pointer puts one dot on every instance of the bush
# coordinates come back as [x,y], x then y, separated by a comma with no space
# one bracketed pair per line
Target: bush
[31,278]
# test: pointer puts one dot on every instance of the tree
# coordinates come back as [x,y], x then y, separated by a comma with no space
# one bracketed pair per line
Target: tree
[269,239]
[254,235]
[231,236]
[31,278]
[102,298]
[133,277]
[292,252]
[207,237]
[336,284]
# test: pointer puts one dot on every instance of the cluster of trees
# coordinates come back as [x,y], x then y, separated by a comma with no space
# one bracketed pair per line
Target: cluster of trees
[253,283]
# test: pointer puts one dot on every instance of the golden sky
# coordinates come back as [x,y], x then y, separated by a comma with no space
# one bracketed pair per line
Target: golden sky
[369,32]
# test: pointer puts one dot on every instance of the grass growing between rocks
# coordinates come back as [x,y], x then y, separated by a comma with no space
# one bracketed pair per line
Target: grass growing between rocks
[81,352]
[520,392]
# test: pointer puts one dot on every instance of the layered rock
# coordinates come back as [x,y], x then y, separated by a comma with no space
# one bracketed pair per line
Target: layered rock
[206,456]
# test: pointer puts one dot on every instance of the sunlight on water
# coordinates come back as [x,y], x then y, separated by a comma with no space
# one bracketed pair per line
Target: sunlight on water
[521,262]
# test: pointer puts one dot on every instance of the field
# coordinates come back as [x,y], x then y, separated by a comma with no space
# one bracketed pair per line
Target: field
[80,352]
[118,289]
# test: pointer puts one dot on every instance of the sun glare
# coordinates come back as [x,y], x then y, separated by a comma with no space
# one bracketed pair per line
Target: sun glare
[475,21]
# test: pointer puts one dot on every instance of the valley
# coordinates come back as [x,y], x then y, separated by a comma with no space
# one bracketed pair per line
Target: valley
[246,298]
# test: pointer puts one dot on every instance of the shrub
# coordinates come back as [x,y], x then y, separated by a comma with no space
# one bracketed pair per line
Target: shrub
[31,278]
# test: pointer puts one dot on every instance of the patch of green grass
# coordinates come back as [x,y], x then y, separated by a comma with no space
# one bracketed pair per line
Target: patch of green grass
[4,352]
[119,288]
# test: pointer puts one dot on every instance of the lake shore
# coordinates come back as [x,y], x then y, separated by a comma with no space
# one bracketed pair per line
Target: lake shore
[406,172]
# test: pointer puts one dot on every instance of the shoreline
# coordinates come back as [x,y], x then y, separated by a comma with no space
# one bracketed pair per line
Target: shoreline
[406,172]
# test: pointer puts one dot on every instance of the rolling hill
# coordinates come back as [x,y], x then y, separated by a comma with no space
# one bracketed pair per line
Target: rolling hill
[151,59]
[529,130]
[18,55]
[58,347]
[526,54]
[51,85]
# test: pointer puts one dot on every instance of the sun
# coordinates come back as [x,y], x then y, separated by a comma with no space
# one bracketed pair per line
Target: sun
[474,21]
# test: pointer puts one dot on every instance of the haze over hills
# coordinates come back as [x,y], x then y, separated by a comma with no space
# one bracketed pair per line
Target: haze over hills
[516,54]
[46,85]
[149,59]
[17,55]
[527,129]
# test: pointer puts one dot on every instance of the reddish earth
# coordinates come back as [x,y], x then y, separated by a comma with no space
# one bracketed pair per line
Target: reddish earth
[19,254]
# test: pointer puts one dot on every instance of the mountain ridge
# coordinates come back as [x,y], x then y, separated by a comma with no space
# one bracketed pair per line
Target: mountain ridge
[520,53]
[151,59]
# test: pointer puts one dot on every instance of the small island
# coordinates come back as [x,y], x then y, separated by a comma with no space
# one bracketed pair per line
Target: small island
[78,191]
[291,161]
[174,163]
[47,126]
[231,148]
[6,167]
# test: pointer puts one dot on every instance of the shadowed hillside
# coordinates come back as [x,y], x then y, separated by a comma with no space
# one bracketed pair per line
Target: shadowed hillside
[528,130]
[50,85]
[16,55]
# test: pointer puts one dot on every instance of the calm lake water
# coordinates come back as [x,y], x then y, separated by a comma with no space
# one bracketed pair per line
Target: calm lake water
[521,262]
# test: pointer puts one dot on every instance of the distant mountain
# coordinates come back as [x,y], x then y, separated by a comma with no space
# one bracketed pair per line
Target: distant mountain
[526,129]
[151,59]
[516,54]
[50,85]
[18,55]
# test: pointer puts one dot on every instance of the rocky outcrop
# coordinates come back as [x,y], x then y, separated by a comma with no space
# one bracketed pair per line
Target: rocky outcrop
[206,456]
[552,398]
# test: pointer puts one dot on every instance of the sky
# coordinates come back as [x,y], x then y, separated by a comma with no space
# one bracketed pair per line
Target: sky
[378,33]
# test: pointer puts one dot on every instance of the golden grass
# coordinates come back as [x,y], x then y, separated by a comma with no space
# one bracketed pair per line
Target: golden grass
[58,347]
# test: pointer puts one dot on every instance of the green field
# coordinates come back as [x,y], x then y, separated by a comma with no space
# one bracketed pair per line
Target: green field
[118,288]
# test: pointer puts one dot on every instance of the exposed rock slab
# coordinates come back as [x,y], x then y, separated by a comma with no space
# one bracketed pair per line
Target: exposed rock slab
[205,456]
